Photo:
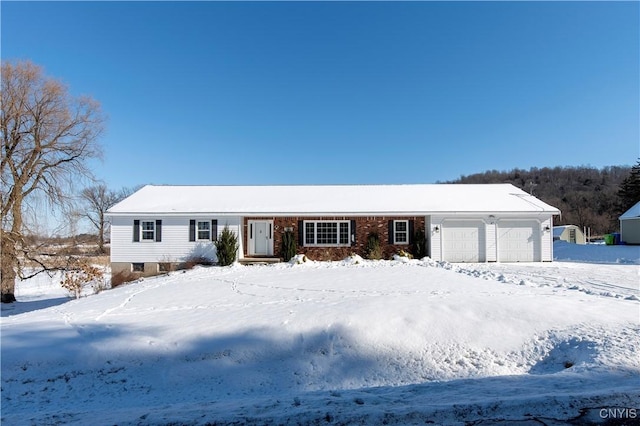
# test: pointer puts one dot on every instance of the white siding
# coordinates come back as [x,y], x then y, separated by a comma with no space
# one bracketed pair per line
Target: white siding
[175,245]
[435,240]
[492,241]
[547,239]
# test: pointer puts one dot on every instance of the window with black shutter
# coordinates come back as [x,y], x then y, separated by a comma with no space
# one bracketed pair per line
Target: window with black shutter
[192,230]
[399,232]
[136,230]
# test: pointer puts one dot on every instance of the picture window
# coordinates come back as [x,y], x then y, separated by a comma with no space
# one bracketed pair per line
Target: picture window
[327,233]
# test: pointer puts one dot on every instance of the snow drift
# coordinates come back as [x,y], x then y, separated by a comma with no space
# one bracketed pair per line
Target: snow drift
[396,342]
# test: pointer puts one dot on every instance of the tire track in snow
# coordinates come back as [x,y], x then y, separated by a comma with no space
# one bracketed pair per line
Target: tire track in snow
[235,287]
[542,278]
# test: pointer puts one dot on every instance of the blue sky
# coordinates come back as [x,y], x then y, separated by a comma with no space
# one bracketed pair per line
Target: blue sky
[342,92]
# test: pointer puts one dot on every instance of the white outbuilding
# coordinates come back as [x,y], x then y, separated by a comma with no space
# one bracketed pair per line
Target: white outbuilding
[569,233]
[630,225]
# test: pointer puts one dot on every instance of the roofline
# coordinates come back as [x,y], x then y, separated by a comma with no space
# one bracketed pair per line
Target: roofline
[339,213]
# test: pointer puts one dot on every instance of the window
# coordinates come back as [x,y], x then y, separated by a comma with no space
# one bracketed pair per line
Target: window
[137,267]
[148,228]
[400,232]
[204,230]
[326,233]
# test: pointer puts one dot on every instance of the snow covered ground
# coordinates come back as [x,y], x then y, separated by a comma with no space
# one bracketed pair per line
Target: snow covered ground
[351,342]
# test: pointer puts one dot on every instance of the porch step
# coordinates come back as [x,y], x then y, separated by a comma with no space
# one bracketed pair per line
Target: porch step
[258,260]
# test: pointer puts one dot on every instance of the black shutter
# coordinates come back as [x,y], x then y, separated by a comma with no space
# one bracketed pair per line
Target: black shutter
[214,229]
[301,233]
[411,232]
[192,230]
[136,231]
[158,231]
[353,232]
[391,232]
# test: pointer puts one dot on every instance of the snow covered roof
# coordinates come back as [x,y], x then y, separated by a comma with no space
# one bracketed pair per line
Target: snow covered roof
[558,230]
[331,199]
[632,213]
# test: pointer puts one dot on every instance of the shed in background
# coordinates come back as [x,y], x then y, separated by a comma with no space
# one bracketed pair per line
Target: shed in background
[569,233]
[630,225]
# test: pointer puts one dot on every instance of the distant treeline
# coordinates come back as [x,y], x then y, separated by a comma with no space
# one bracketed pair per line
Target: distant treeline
[586,196]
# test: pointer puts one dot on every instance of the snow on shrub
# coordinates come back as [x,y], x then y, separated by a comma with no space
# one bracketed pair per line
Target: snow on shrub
[299,259]
[354,259]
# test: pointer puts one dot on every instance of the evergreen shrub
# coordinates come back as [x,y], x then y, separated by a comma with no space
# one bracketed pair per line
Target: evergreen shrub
[289,245]
[419,244]
[226,247]
[373,249]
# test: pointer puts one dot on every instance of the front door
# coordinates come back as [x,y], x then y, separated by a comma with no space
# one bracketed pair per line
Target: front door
[260,238]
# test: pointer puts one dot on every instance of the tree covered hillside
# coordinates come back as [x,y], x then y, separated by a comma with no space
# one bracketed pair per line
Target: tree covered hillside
[586,196]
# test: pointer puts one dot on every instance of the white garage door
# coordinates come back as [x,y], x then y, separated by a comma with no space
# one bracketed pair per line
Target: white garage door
[463,241]
[518,241]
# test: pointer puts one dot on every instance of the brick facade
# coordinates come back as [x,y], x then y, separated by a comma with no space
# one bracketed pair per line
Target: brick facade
[364,226]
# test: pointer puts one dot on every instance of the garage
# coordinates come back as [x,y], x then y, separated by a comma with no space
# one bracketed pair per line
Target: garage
[463,241]
[519,241]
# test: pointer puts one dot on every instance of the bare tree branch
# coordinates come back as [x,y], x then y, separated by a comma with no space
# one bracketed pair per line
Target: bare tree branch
[97,200]
[47,138]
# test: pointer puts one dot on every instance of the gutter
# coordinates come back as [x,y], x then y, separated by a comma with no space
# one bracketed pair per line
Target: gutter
[314,214]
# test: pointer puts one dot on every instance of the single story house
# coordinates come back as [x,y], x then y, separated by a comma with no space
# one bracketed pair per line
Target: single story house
[163,225]
[630,225]
[569,233]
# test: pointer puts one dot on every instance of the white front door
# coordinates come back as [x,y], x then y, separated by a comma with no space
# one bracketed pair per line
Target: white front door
[261,237]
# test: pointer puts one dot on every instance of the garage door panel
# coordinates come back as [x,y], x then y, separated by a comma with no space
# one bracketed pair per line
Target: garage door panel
[518,241]
[463,241]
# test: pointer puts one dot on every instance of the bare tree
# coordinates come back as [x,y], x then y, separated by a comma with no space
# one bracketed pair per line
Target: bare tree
[98,199]
[47,138]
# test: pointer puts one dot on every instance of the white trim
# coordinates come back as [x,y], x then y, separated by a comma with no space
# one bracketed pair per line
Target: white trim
[142,231]
[251,241]
[197,236]
[396,232]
